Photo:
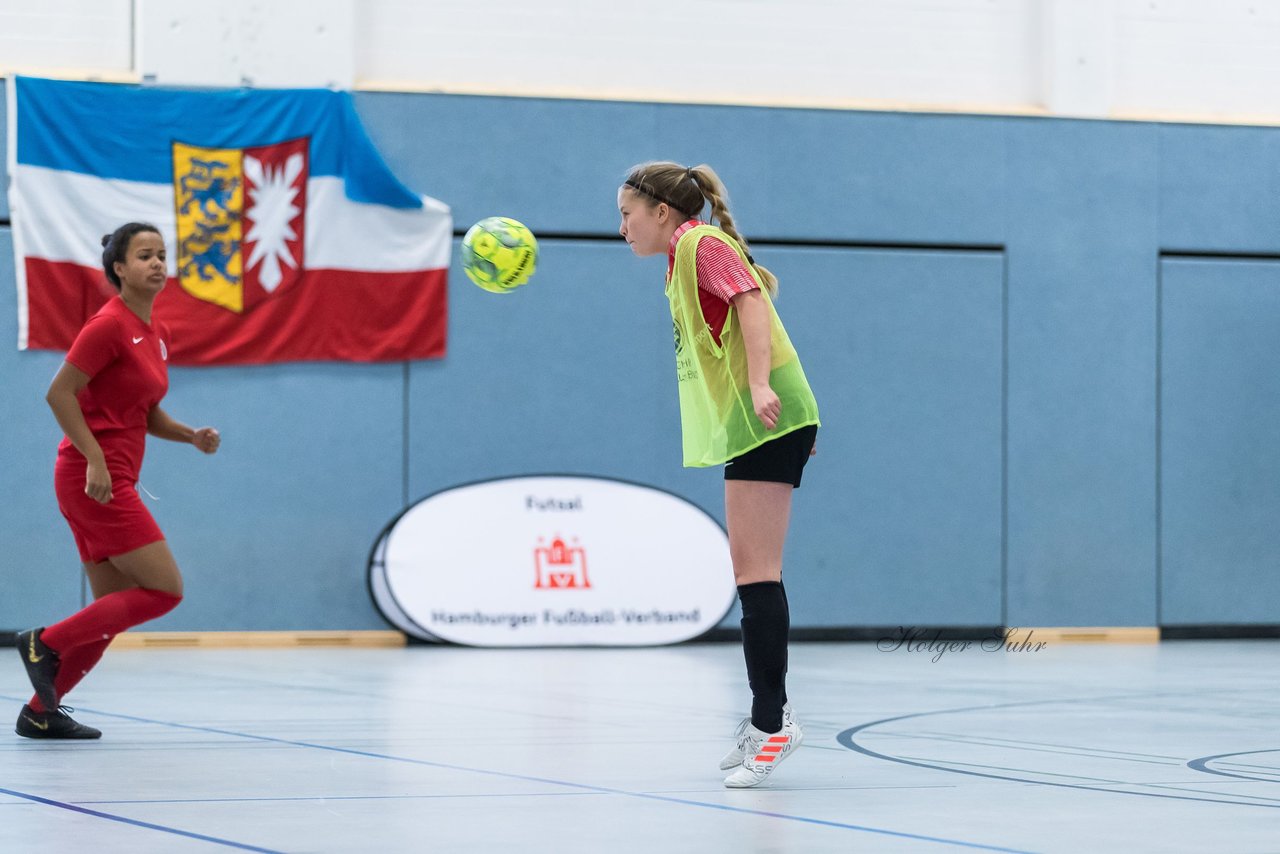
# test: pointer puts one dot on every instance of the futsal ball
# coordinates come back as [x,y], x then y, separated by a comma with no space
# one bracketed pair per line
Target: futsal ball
[499,254]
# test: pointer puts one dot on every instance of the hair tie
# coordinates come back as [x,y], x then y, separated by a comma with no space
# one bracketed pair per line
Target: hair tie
[751,260]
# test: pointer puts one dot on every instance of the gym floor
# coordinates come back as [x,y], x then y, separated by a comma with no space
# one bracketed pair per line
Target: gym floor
[1160,747]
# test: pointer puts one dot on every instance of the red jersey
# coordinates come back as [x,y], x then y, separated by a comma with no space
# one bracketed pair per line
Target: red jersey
[721,277]
[127,364]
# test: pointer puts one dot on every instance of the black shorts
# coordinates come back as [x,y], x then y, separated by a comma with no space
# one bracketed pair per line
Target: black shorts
[779,460]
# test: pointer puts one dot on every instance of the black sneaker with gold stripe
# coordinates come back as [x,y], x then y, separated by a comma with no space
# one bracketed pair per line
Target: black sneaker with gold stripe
[42,666]
[55,724]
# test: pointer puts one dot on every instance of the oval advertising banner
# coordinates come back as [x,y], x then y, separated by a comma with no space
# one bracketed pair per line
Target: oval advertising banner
[553,561]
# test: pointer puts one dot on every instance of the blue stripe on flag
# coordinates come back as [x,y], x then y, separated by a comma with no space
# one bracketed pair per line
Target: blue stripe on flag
[126,131]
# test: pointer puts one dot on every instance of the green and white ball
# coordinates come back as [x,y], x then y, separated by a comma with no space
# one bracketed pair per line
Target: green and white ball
[499,254]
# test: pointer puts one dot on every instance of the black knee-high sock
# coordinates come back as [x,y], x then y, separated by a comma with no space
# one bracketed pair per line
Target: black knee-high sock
[765,623]
[786,603]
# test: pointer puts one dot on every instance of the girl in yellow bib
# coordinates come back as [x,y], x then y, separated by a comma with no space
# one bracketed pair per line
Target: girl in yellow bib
[744,403]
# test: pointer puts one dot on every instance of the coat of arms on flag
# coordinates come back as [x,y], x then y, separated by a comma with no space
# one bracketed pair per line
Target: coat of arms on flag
[289,238]
[240,217]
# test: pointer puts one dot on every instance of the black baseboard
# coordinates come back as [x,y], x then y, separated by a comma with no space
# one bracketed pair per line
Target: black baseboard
[1225,631]
[872,634]
[802,634]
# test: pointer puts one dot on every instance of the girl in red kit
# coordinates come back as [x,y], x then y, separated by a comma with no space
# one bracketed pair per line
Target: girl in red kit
[106,398]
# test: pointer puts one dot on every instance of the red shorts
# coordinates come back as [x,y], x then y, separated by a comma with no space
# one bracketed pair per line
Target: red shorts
[102,530]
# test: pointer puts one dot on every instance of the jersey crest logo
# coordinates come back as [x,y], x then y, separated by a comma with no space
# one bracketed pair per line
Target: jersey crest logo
[241,215]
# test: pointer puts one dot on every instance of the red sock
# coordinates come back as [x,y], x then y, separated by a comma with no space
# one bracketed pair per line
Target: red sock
[107,617]
[73,667]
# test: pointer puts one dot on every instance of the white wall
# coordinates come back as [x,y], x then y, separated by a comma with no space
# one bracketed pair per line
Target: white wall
[78,38]
[263,43]
[964,53]
[1213,60]
[1203,57]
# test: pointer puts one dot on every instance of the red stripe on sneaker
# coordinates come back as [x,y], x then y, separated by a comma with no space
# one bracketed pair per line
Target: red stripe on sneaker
[763,758]
[772,748]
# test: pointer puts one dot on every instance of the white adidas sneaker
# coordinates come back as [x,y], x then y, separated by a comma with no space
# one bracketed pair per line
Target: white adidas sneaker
[763,752]
[734,757]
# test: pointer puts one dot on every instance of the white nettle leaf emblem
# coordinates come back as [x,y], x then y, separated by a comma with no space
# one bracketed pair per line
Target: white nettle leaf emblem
[272,207]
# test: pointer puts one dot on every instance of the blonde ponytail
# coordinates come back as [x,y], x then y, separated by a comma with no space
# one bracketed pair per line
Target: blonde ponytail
[717,196]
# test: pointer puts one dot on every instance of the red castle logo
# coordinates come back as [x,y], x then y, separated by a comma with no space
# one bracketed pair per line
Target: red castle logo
[560,567]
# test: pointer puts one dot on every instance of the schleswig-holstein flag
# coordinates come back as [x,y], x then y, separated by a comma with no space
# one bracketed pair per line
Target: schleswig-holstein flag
[289,238]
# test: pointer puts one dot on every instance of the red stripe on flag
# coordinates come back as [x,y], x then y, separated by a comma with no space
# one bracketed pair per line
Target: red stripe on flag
[60,298]
[330,315]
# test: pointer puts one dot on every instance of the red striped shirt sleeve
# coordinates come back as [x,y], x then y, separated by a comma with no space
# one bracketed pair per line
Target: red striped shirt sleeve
[721,272]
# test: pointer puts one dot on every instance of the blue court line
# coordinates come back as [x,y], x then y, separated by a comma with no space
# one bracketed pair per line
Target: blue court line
[134,822]
[846,738]
[344,798]
[481,795]
[1070,749]
[1177,787]
[1246,766]
[546,781]
[982,742]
